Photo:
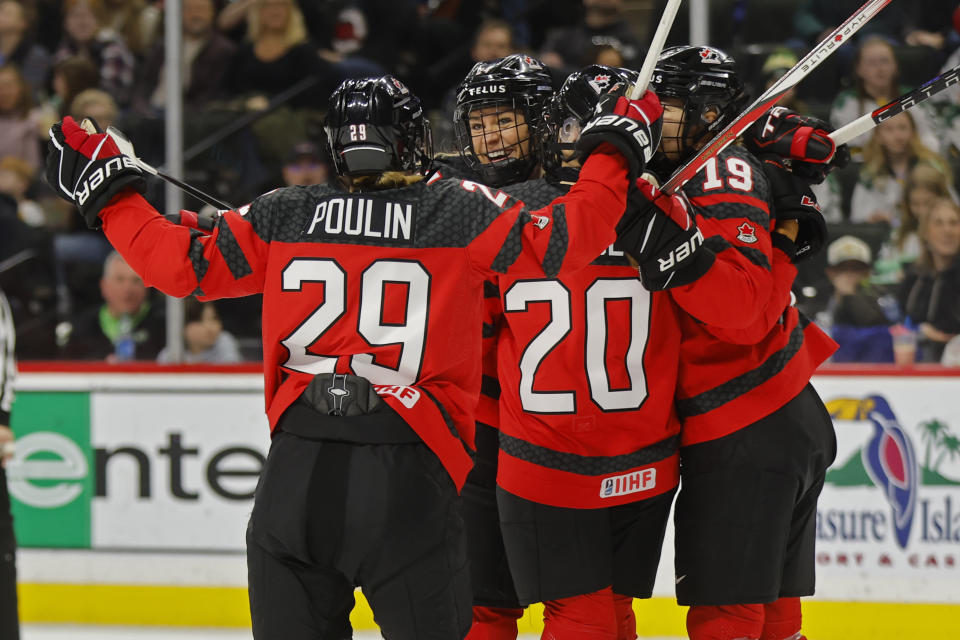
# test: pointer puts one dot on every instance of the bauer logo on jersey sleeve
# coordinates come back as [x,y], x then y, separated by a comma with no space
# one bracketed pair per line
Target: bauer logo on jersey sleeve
[359,218]
[633,482]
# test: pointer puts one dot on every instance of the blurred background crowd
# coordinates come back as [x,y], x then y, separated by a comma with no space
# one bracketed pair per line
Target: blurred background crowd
[256,74]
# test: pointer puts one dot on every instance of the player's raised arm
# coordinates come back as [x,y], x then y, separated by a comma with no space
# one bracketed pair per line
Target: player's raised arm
[90,171]
[577,227]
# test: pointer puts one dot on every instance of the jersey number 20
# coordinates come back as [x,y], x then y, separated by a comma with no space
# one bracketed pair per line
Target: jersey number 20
[596,326]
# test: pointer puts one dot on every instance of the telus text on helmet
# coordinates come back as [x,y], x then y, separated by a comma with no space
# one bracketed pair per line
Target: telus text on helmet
[488,89]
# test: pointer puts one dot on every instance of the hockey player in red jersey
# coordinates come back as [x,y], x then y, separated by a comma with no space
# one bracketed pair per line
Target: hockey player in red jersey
[588,439]
[756,439]
[498,122]
[371,359]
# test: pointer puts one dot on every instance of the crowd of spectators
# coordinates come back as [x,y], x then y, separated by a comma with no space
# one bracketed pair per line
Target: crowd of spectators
[255,76]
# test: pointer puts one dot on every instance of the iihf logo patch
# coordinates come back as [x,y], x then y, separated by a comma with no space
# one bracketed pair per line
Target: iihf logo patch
[600,83]
[710,56]
[747,233]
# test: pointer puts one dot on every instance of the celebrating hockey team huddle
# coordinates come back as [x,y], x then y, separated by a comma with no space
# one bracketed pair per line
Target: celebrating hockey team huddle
[490,374]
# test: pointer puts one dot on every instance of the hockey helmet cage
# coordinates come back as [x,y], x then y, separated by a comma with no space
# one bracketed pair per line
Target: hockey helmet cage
[705,80]
[570,108]
[375,125]
[517,83]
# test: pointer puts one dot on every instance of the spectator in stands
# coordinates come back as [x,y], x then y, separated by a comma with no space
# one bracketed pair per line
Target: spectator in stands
[18,47]
[603,23]
[278,55]
[18,120]
[493,39]
[69,77]
[27,278]
[774,67]
[889,157]
[348,51]
[127,326]
[205,66]
[84,35]
[204,340]
[96,104]
[930,294]
[815,19]
[923,187]
[857,316]
[875,83]
[16,177]
[137,22]
[306,165]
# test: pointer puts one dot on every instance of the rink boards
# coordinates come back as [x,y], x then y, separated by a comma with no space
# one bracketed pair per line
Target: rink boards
[132,488]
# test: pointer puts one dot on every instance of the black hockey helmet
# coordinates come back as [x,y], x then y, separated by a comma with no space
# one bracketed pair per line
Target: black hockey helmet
[375,125]
[705,79]
[570,108]
[518,84]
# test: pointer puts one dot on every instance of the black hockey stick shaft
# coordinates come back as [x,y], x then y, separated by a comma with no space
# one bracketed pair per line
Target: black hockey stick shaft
[867,121]
[193,191]
[769,97]
[126,147]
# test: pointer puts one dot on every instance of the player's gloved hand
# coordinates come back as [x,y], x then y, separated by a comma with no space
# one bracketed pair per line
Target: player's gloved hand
[88,169]
[803,140]
[659,233]
[632,126]
[793,200]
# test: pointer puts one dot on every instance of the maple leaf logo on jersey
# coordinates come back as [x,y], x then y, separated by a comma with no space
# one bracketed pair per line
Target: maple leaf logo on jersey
[710,56]
[600,83]
[747,233]
[807,201]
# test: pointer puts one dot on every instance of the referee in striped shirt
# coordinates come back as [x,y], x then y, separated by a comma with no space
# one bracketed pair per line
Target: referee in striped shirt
[9,625]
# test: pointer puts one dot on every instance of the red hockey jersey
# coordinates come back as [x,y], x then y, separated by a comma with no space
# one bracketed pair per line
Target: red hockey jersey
[746,352]
[385,285]
[587,369]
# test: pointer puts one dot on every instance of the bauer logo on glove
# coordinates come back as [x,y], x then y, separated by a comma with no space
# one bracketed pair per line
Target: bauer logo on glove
[86,168]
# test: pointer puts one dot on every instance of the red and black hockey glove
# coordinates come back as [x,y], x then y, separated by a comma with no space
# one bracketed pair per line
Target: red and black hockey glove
[803,140]
[88,169]
[659,233]
[632,126]
[793,200]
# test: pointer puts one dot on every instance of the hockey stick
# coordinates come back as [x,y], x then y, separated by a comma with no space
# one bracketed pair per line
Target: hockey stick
[867,121]
[656,46]
[769,97]
[126,148]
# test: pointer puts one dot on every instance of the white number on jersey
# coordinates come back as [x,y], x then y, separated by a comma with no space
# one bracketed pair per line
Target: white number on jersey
[410,335]
[525,292]
[741,177]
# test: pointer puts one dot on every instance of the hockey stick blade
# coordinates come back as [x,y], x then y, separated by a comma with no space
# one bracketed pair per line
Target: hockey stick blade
[868,121]
[769,97]
[126,148]
[656,46]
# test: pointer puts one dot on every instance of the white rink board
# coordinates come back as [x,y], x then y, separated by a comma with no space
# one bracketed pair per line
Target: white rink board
[165,539]
[192,443]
